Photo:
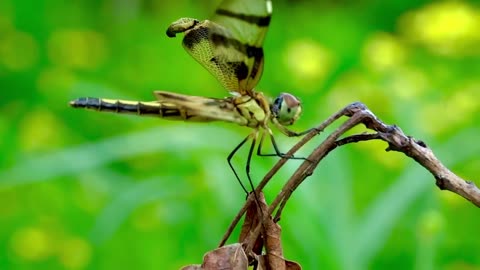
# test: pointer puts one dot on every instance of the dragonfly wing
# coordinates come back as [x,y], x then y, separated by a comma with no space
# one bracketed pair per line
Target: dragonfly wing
[248,22]
[230,46]
[209,44]
[202,108]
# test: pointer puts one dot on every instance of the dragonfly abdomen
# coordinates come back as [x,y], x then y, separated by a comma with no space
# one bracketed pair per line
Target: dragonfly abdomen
[164,110]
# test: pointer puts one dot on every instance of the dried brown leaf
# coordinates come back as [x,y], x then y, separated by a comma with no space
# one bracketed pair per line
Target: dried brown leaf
[289,265]
[231,257]
[273,245]
[251,221]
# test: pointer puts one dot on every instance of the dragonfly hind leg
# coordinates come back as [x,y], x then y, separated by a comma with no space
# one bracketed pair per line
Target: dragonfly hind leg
[252,136]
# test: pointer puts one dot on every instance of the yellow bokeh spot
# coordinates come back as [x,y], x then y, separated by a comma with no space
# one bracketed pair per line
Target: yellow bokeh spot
[32,244]
[18,51]
[307,60]
[448,28]
[40,130]
[82,49]
[383,51]
[75,253]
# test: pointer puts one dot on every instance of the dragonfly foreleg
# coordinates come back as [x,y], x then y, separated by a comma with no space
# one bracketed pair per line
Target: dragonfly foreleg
[275,147]
[291,133]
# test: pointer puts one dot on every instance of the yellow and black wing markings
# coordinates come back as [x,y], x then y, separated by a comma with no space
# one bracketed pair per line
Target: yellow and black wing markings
[230,45]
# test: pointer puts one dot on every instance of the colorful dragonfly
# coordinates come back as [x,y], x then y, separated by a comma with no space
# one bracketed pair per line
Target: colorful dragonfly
[229,46]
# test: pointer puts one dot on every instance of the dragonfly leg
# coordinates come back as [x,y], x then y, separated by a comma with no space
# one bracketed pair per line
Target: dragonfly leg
[275,147]
[249,158]
[229,160]
[291,133]
[254,136]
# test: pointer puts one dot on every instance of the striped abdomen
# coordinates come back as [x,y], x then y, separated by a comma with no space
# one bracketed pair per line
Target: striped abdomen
[164,110]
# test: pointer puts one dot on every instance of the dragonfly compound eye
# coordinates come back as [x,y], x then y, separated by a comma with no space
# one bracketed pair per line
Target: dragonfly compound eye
[286,108]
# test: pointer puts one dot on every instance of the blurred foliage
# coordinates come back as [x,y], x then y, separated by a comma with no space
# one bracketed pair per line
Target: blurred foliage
[82,190]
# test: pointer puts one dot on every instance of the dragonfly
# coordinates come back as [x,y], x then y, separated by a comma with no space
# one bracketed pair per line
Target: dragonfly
[229,46]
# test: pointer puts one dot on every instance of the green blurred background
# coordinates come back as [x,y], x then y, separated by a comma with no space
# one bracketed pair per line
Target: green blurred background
[84,190]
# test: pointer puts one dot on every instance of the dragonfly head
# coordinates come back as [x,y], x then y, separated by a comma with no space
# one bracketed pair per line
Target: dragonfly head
[286,108]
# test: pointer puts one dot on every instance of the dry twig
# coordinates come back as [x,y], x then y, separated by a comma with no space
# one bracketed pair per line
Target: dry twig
[358,113]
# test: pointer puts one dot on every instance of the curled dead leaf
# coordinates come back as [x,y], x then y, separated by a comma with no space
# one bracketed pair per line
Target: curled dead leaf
[231,257]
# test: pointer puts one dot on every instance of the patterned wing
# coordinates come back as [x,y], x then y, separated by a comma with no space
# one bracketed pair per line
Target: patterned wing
[248,20]
[230,46]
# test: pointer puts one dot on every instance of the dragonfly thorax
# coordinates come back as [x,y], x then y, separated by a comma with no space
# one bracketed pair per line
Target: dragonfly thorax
[286,108]
[251,109]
